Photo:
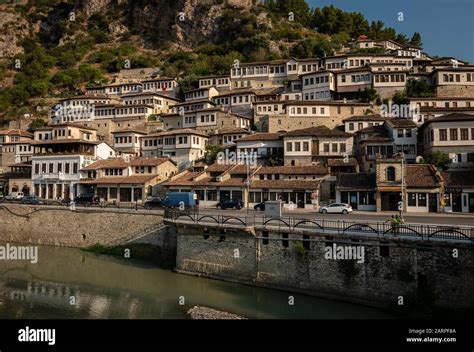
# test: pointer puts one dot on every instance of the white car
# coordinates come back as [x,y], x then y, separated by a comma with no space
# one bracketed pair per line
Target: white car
[340,208]
[15,196]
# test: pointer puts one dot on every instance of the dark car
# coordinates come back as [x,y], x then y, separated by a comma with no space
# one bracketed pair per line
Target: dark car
[259,206]
[230,204]
[86,199]
[153,203]
[34,200]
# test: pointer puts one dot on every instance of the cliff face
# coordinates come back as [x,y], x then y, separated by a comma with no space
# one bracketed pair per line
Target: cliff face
[13,28]
[184,23]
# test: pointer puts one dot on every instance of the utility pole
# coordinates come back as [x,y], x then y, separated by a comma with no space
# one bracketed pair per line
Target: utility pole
[403,186]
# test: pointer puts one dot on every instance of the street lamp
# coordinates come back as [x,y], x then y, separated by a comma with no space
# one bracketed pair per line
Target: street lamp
[400,208]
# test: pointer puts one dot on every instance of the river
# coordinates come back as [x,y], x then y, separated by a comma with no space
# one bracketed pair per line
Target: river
[70,283]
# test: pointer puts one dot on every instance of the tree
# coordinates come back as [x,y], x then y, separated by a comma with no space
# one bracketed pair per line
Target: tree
[418,89]
[212,151]
[36,123]
[369,95]
[416,40]
[400,98]
[437,158]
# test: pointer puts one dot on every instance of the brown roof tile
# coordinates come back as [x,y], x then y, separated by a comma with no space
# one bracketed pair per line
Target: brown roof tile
[461,178]
[319,131]
[260,137]
[422,176]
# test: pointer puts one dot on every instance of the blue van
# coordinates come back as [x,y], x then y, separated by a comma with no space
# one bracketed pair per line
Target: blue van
[174,199]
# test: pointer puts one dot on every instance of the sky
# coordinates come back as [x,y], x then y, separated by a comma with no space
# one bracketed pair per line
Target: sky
[446,26]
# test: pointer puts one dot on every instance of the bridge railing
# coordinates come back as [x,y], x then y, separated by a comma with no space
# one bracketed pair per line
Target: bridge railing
[193,215]
[340,227]
[379,228]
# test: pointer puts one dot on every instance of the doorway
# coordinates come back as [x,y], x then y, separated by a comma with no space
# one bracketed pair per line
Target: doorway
[390,201]
[433,203]
[471,202]
[457,202]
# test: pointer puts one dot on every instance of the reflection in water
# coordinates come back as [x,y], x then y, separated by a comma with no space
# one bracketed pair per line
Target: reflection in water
[69,283]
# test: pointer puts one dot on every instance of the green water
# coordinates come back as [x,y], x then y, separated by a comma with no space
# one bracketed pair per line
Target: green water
[105,287]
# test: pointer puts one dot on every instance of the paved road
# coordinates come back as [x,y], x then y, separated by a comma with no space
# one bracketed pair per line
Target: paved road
[442,219]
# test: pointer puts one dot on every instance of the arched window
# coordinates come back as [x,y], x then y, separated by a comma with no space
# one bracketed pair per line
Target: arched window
[390,173]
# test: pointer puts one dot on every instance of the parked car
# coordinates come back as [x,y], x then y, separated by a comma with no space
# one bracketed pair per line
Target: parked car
[175,199]
[259,206]
[34,200]
[15,196]
[340,208]
[230,204]
[86,199]
[153,203]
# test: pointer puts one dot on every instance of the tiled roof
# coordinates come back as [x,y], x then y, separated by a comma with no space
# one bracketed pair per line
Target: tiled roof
[373,117]
[176,132]
[361,180]
[462,178]
[260,137]
[242,169]
[109,163]
[148,161]
[286,184]
[401,122]
[185,179]
[422,176]
[318,132]
[218,167]
[293,170]
[22,133]
[340,162]
[452,117]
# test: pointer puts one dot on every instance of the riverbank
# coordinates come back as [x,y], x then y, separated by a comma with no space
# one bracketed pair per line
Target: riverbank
[206,313]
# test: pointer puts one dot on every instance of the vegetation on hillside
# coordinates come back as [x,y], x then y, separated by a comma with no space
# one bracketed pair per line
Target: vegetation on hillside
[69,54]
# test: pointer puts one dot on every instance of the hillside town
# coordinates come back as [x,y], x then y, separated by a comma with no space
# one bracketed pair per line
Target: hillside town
[301,131]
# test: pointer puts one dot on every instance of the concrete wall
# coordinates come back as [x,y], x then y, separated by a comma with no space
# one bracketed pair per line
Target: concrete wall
[421,272]
[80,228]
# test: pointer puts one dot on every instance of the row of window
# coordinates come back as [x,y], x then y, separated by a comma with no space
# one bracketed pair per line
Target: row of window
[125,140]
[305,111]
[360,198]
[360,125]
[317,95]
[121,89]
[454,134]
[170,141]
[196,94]
[158,85]
[316,80]
[457,77]
[379,78]
[113,172]
[357,78]
[218,81]
[56,168]
[143,102]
